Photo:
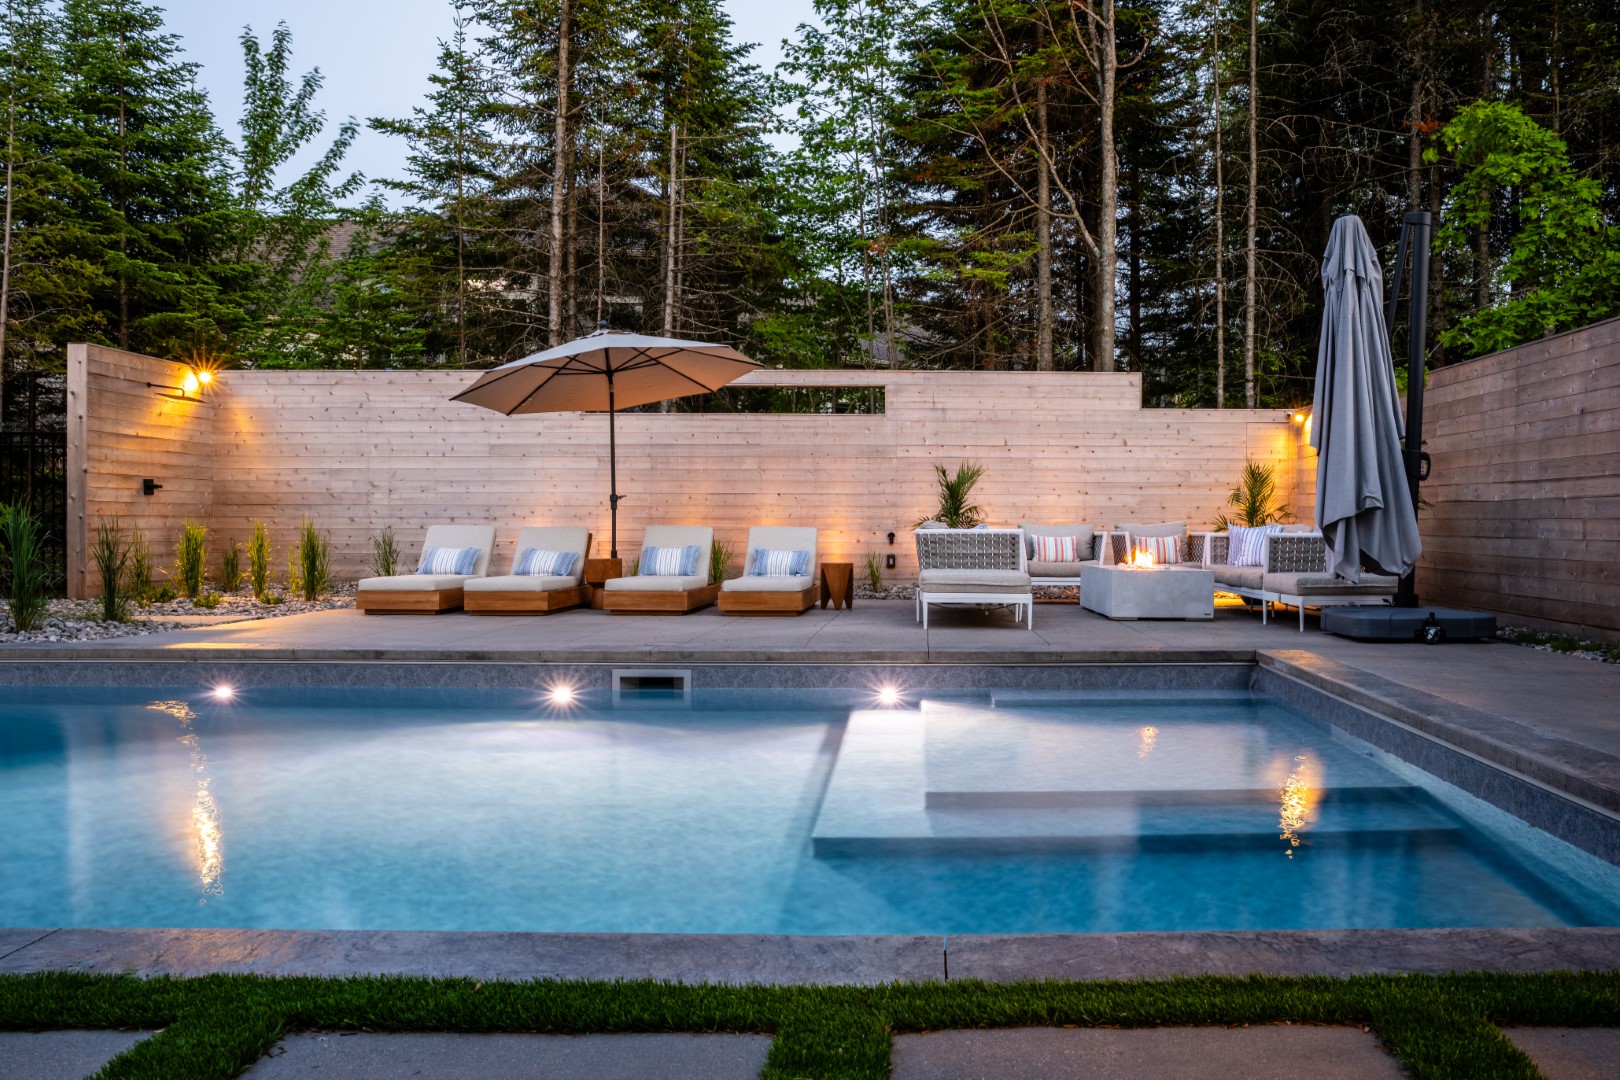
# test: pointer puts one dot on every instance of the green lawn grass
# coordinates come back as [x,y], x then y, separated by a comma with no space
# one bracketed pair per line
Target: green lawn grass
[214,1027]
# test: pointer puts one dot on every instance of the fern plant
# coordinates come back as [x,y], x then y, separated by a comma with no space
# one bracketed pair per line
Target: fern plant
[955,509]
[110,556]
[1254,499]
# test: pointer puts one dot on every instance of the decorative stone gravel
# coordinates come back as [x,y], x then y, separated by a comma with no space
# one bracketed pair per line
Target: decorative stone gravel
[80,620]
[1524,637]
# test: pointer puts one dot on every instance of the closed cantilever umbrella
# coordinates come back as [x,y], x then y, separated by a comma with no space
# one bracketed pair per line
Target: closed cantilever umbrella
[604,372]
[1363,501]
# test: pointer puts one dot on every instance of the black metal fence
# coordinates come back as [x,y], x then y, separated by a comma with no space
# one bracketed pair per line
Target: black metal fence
[33,471]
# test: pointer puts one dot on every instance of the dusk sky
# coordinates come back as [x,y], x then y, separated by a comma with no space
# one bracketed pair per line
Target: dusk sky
[377,54]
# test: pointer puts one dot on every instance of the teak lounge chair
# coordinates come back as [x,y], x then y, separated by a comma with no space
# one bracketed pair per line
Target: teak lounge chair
[535,594]
[973,566]
[772,594]
[428,594]
[664,594]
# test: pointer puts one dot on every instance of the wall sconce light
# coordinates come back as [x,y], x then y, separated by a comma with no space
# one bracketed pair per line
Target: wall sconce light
[193,382]
[1301,416]
[891,539]
[150,486]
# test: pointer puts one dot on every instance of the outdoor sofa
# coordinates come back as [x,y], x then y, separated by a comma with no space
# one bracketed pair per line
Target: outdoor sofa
[1293,570]
[1044,571]
[548,574]
[973,566]
[664,584]
[779,573]
[452,555]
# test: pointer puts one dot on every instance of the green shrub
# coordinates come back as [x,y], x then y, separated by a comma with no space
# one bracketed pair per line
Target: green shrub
[873,569]
[110,556]
[384,554]
[21,559]
[208,601]
[308,567]
[272,598]
[191,559]
[259,560]
[163,594]
[141,588]
[1254,499]
[230,567]
[720,554]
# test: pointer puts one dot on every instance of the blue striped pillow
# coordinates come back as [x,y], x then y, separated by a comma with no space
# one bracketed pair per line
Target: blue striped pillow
[1247,546]
[537,562]
[446,560]
[669,562]
[769,563]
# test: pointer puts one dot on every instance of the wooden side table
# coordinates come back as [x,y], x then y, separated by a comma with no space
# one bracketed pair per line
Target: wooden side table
[838,584]
[598,571]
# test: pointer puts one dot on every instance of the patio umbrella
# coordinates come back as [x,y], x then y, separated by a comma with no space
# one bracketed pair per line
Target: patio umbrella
[1363,503]
[603,372]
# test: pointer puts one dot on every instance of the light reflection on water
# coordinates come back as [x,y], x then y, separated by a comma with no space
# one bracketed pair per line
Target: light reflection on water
[208,840]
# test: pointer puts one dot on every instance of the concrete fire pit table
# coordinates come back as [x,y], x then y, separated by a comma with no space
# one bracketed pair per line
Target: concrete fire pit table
[1159,592]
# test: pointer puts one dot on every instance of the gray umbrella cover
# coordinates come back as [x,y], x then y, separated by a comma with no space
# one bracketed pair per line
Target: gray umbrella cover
[1363,503]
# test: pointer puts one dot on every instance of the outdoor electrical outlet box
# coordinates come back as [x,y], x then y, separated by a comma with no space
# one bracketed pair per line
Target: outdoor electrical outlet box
[889,562]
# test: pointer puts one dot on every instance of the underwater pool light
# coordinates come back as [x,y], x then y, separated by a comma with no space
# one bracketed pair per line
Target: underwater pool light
[562,695]
[888,695]
[224,692]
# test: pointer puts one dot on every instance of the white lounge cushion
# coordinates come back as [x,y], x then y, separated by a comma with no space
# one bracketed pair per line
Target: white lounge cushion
[655,583]
[1055,569]
[413,583]
[1012,582]
[522,583]
[1329,585]
[767,584]
[463,536]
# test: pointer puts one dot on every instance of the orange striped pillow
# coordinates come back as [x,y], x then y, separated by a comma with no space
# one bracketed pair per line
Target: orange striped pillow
[1164,549]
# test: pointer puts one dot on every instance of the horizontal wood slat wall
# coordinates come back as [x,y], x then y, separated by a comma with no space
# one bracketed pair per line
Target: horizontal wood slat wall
[1524,515]
[357,451]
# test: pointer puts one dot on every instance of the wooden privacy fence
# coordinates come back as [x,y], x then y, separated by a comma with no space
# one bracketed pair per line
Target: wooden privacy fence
[358,451]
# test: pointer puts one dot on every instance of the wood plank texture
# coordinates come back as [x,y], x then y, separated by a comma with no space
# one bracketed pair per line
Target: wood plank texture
[1524,499]
[358,451]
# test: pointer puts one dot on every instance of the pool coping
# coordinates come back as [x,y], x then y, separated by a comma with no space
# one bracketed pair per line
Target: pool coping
[803,960]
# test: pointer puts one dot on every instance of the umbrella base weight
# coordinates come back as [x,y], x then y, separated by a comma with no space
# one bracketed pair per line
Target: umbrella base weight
[1425,624]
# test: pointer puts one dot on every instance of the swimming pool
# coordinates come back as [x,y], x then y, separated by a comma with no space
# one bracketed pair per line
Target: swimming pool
[745,811]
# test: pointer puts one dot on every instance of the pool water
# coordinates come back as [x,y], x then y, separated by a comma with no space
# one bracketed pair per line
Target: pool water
[812,812]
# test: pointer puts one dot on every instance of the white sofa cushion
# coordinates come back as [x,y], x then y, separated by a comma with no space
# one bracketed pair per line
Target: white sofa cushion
[1055,569]
[1012,582]
[1330,585]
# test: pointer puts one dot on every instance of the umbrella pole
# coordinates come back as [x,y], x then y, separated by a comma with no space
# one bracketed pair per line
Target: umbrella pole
[1417,330]
[613,475]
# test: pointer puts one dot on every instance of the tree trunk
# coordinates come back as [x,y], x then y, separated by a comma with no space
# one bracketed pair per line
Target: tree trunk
[559,184]
[1107,190]
[5,242]
[571,256]
[1044,318]
[669,242]
[601,232]
[1220,215]
[123,228]
[1250,271]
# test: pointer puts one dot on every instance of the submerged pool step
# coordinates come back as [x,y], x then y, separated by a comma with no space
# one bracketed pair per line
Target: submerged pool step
[1339,840]
[1143,798]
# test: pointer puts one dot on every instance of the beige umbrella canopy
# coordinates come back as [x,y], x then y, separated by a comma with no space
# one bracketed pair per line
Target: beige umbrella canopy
[604,372]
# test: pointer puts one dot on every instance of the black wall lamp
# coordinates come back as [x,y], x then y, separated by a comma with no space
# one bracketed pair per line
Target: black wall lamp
[189,386]
[150,486]
[888,561]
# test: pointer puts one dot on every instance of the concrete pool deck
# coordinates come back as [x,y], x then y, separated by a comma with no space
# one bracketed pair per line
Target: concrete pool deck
[1551,720]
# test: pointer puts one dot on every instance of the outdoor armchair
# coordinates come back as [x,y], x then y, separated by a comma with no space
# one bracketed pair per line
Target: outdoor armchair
[973,566]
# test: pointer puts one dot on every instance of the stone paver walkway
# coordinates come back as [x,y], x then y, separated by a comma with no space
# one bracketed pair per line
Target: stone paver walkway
[366,1056]
[1282,1052]
[61,1055]
[1570,1053]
